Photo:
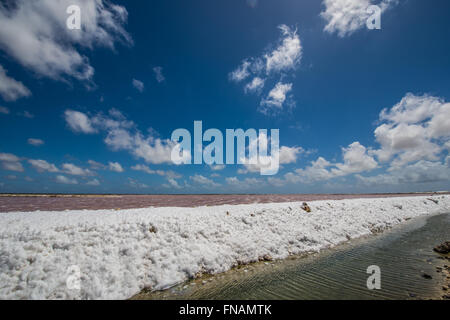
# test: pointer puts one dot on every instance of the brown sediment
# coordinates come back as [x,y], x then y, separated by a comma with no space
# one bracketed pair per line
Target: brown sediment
[60,202]
[445,272]
[444,269]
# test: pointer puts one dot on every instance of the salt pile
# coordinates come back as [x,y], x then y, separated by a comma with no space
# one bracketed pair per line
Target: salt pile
[118,253]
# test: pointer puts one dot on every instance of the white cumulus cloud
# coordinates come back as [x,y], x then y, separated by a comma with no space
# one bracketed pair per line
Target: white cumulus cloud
[78,122]
[414,141]
[136,184]
[347,16]
[202,180]
[42,166]
[121,134]
[173,183]
[34,33]
[35,142]
[255,85]
[93,183]
[11,162]
[11,89]
[277,63]
[263,159]
[143,168]
[139,85]
[241,73]
[74,170]
[115,167]
[414,129]
[159,74]
[287,55]
[276,98]
[64,180]
[422,171]
[356,160]
[246,183]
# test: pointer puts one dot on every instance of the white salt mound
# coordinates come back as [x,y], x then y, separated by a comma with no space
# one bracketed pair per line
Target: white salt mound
[118,253]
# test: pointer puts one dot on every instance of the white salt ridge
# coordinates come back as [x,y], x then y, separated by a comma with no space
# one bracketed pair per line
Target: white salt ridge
[121,252]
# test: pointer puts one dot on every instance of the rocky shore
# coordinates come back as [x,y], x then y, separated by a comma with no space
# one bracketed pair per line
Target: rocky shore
[444,270]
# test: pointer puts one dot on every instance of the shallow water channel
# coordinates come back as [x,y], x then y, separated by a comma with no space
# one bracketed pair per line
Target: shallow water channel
[404,254]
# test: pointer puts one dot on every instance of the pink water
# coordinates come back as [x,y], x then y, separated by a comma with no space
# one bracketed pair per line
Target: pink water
[10,203]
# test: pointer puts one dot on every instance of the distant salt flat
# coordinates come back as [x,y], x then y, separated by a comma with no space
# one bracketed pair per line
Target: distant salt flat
[120,252]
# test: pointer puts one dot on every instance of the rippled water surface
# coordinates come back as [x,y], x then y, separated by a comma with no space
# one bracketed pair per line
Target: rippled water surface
[404,254]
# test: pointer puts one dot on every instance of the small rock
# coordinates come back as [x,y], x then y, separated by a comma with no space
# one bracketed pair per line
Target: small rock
[426,276]
[398,206]
[306,207]
[153,229]
[443,248]
[267,257]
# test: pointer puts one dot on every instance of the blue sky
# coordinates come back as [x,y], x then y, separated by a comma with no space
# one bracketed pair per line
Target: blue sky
[91,110]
